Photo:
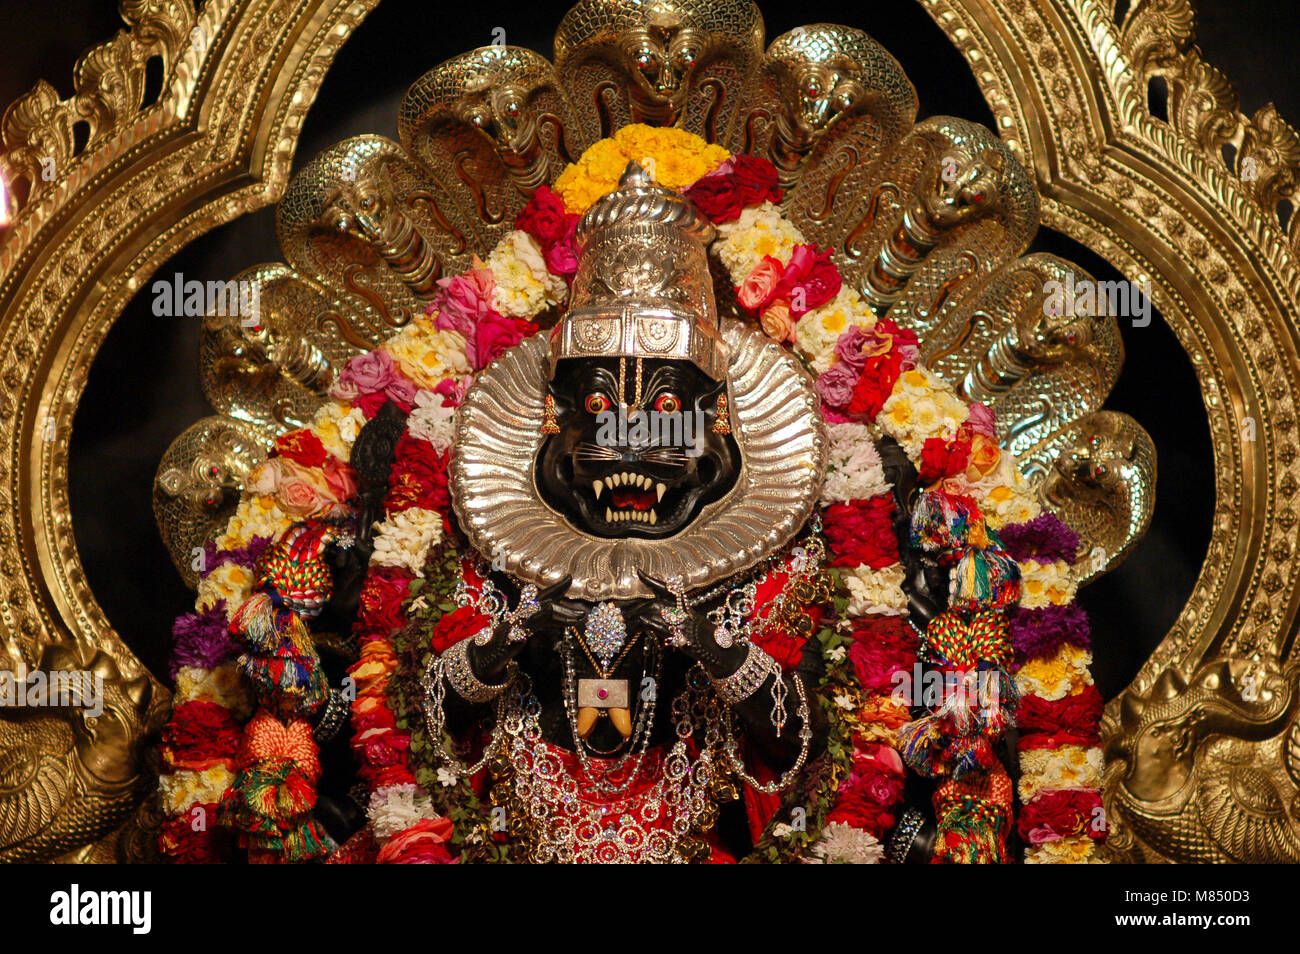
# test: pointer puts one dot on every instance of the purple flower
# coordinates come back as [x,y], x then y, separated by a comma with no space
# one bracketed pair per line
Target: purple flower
[202,640]
[1045,539]
[244,556]
[1041,632]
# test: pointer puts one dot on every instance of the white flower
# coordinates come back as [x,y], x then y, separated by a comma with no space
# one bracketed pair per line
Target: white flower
[429,420]
[782,830]
[842,844]
[446,778]
[844,702]
[817,332]
[853,469]
[876,591]
[1047,584]
[758,232]
[404,539]
[837,654]
[524,285]
[397,807]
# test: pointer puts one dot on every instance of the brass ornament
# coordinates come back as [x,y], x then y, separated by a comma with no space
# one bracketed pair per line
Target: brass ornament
[1202,750]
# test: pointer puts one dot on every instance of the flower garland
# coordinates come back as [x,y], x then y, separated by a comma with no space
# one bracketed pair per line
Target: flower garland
[867,377]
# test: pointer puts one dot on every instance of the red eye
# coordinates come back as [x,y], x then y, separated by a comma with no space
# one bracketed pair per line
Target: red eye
[668,404]
[597,403]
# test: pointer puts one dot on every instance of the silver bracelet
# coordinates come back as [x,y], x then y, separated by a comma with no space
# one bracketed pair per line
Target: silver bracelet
[455,663]
[745,681]
[909,826]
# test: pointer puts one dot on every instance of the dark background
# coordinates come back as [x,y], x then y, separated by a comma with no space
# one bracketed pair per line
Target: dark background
[143,388]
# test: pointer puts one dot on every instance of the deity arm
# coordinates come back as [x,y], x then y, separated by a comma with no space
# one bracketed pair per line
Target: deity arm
[780,750]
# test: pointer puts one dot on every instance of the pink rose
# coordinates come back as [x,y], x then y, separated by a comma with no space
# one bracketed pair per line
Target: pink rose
[495,334]
[401,390]
[364,374]
[339,479]
[453,390]
[981,420]
[836,385]
[810,280]
[756,290]
[464,300]
[562,257]
[299,496]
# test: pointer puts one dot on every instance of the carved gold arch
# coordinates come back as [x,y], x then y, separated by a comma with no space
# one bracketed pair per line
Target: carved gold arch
[1204,737]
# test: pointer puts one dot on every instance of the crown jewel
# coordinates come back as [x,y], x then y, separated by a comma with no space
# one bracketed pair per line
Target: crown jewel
[643,287]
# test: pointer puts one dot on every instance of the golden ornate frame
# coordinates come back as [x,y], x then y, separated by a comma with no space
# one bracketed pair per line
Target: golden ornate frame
[1213,709]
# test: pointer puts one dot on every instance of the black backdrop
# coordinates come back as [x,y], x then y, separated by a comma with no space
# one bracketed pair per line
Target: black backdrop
[143,389]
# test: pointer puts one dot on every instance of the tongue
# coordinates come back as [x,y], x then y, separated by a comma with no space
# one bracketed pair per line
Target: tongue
[635,498]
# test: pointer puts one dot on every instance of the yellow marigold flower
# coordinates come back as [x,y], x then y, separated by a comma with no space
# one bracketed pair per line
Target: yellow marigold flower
[677,159]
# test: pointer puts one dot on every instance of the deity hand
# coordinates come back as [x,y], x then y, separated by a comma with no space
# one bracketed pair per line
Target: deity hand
[688,630]
[553,612]
[692,632]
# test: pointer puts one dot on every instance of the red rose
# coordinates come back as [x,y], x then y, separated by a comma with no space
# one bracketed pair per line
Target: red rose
[875,664]
[382,747]
[302,447]
[457,625]
[717,197]
[755,179]
[386,776]
[783,646]
[862,532]
[861,812]
[552,228]
[371,403]
[544,217]
[940,459]
[424,843]
[1060,813]
[419,477]
[874,386]
[810,280]
[891,631]
[380,610]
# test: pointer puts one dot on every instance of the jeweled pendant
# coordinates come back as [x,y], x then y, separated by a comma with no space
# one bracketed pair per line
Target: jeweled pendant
[606,633]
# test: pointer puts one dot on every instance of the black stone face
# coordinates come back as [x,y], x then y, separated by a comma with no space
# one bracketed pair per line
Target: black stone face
[619,468]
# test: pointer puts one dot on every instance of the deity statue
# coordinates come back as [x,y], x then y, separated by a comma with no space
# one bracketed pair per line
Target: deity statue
[649,512]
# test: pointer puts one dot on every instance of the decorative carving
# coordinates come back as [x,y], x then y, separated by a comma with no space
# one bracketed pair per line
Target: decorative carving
[70,774]
[644,61]
[509,98]
[822,78]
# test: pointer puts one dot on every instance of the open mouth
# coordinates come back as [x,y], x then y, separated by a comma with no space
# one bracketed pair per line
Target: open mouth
[629,497]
